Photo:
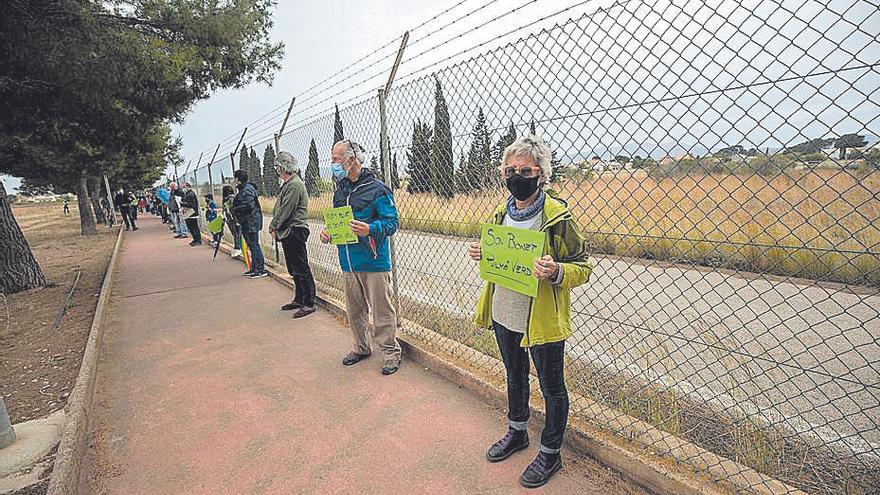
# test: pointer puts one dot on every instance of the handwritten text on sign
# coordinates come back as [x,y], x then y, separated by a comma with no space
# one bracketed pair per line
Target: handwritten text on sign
[509,256]
[336,221]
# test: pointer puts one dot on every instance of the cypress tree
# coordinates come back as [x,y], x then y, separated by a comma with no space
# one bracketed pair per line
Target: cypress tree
[338,133]
[270,180]
[419,159]
[442,167]
[313,176]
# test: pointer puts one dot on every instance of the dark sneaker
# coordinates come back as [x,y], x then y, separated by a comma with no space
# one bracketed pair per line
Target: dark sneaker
[261,274]
[541,470]
[513,442]
[136,228]
[353,357]
[194,244]
[390,369]
[303,312]
[179,236]
[247,273]
[291,306]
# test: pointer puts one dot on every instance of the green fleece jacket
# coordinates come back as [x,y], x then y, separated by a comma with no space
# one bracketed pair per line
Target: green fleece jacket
[291,207]
[550,311]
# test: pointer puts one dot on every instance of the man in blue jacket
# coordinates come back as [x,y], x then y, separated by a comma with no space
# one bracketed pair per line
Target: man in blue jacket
[367,264]
[247,212]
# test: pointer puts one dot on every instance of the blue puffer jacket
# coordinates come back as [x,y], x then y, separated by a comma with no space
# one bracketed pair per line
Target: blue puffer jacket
[372,203]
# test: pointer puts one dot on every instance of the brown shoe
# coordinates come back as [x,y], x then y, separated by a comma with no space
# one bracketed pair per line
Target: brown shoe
[303,312]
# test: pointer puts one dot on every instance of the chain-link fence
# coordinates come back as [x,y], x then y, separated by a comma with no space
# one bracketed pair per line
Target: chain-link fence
[721,158]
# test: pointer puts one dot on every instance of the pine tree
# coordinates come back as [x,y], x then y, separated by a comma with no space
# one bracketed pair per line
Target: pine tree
[244,161]
[395,175]
[270,179]
[338,134]
[313,176]
[257,177]
[442,167]
[493,179]
[478,173]
[419,159]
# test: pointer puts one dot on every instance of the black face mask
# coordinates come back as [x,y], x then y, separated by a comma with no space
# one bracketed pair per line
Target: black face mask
[522,188]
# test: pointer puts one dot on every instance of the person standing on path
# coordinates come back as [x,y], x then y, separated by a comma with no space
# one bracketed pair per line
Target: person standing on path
[122,202]
[525,325]
[289,225]
[246,208]
[367,264]
[189,210]
[174,201]
[66,205]
[228,194]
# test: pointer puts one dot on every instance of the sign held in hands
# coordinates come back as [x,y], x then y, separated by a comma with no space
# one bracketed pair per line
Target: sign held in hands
[509,256]
[336,221]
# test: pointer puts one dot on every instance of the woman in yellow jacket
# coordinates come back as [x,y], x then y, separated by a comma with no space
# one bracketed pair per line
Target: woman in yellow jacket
[538,325]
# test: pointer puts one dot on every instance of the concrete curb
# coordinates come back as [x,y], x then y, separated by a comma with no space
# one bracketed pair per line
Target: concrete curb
[672,473]
[68,459]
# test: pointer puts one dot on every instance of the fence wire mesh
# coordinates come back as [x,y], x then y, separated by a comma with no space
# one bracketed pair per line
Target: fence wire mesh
[721,158]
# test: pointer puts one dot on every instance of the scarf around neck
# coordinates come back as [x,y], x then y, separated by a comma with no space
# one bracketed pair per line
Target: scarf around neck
[529,211]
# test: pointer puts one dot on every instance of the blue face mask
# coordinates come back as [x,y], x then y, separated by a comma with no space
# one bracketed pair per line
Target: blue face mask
[339,173]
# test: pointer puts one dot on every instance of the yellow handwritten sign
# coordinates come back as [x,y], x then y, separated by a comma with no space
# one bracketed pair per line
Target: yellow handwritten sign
[337,222]
[509,256]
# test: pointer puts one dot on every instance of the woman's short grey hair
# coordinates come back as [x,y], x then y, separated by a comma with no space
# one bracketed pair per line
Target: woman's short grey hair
[287,163]
[352,149]
[533,147]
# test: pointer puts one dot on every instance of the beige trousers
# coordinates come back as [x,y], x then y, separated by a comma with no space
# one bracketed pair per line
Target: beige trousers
[366,291]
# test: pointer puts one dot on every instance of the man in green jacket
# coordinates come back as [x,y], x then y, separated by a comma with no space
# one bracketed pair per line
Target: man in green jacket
[289,226]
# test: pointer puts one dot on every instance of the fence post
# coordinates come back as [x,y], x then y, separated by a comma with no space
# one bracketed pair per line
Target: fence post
[111,215]
[385,160]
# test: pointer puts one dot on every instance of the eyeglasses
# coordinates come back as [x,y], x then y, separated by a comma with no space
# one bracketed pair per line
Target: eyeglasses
[527,172]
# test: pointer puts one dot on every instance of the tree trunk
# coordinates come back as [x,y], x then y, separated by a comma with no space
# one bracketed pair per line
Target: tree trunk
[19,269]
[84,204]
[95,195]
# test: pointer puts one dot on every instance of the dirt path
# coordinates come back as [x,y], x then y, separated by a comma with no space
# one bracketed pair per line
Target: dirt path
[204,386]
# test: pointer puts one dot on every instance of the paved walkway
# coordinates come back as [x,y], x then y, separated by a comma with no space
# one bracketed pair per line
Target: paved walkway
[204,386]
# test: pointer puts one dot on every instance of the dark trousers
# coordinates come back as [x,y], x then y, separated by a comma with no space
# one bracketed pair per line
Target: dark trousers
[253,242]
[127,217]
[550,365]
[297,259]
[192,224]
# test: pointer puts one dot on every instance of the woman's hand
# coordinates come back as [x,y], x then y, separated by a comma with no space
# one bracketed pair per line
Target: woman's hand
[325,237]
[546,268]
[475,252]
[360,228]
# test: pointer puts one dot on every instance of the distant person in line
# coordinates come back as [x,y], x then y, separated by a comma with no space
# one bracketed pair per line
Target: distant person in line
[246,208]
[538,326]
[289,226]
[66,205]
[122,202]
[228,193]
[210,215]
[189,210]
[367,264]
[180,230]
[133,206]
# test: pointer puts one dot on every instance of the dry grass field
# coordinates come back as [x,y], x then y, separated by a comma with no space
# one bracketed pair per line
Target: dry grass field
[821,225]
